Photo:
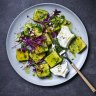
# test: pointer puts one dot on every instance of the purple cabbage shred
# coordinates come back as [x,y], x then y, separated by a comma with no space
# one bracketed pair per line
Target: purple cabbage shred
[54,34]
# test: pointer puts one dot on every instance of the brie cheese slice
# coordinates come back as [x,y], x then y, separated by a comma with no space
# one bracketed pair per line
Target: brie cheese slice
[60,70]
[65,36]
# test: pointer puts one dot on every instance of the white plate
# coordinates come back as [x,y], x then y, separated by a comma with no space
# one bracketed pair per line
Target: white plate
[21,19]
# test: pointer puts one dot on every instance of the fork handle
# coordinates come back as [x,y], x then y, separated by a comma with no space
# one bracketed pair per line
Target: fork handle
[84,78]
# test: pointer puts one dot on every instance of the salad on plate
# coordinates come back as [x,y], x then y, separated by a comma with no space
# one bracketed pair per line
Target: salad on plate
[42,42]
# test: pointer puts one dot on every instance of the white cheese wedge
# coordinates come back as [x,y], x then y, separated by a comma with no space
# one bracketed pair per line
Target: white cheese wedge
[60,70]
[65,36]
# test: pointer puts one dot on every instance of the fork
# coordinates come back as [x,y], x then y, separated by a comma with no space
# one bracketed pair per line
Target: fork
[65,55]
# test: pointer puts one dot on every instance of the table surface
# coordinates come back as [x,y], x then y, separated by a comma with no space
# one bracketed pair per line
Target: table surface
[11,84]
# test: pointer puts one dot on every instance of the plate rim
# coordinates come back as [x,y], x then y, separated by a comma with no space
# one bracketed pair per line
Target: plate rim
[40,4]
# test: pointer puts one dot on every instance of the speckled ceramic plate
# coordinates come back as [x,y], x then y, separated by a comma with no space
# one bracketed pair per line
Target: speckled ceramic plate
[20,20]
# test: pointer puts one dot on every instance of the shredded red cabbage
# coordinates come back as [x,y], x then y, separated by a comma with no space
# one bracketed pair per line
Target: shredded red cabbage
[39,39]
[54,34]
[22,49]
[56,12]
[32,42]
[41,60]
[34,69]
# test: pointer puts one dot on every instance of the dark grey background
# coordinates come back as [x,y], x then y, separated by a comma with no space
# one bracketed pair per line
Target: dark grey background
[11,84]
